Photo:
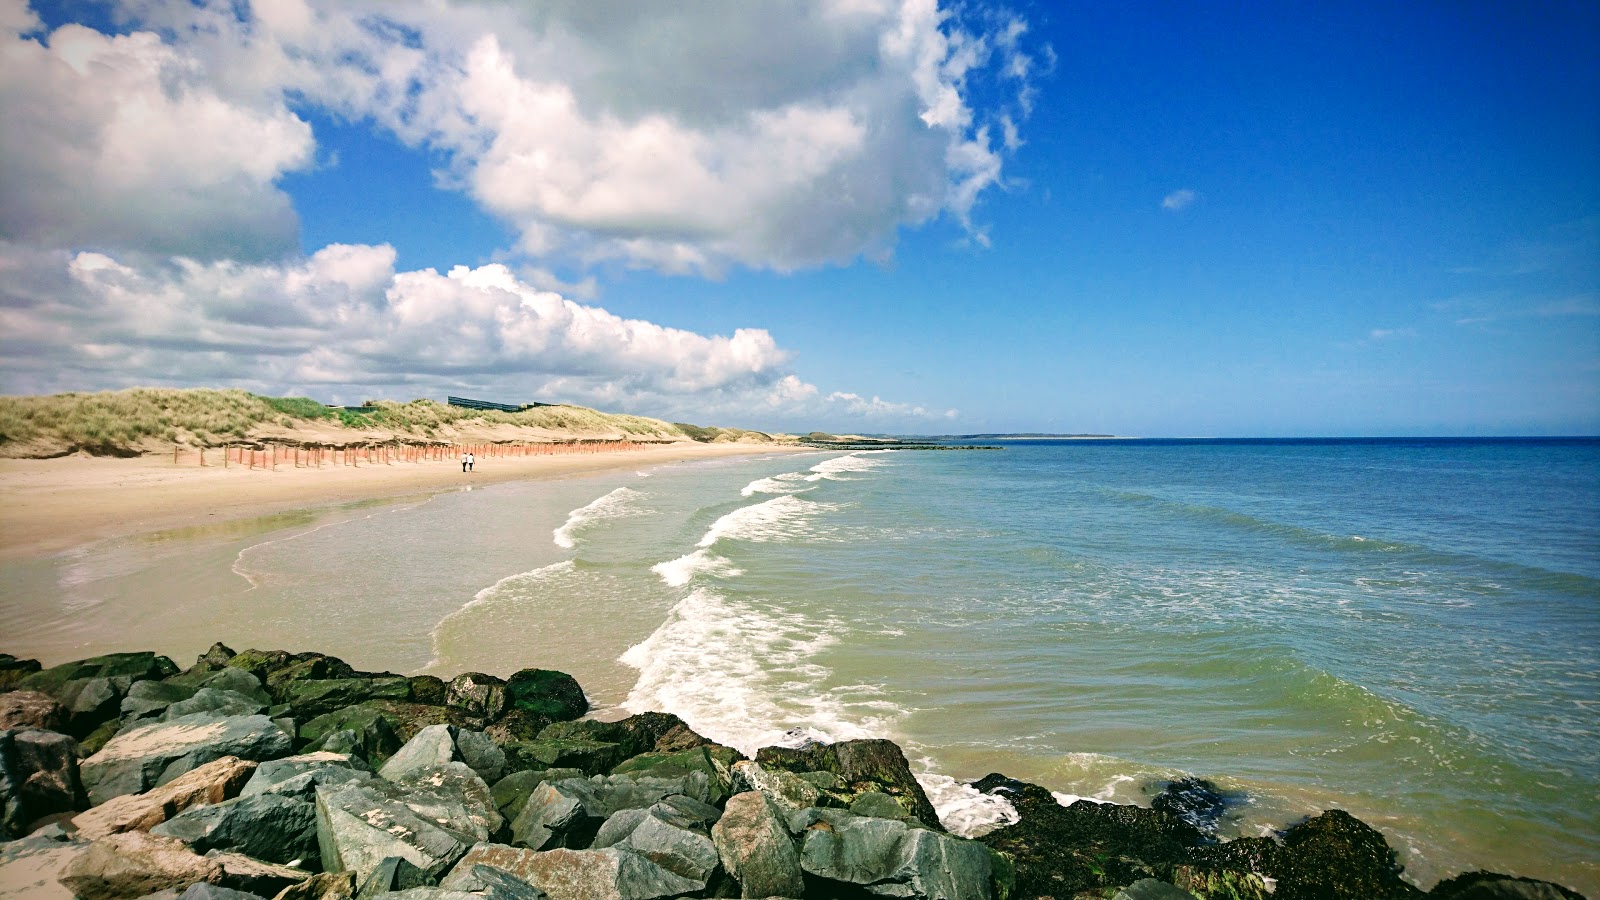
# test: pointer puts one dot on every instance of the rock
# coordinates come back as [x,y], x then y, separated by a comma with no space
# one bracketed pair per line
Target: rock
[1060,850]
[410,718]
[861,766]
[609,874]
[135,864]
[756,848]
[477,695]
[788,790]
[371,728]
[215,658]
[91,690]
[31,709]
[1494,886]
[1335,855]
[215,701]
[878,805]
[213,782]
[591,757]
[455,793]
[676,849]
[892,857]
[13,670]
[512,791]
[554,815]
[488,883]
[298,776]
[237,680]
[686,812]
[269,827]
[150,755]
[680,764]
[394,874]
[437,745]
[309,698]
[1220,884]
[645,733]
[1151,889]
[149,699]
[360,825]
[30,867]
[38,777]
[427,689]
[1194,800]
[276,668]
[544,692]
[327,886]
[253,875]
[203,891]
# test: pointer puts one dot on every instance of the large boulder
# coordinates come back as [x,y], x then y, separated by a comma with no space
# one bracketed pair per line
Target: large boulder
[1494,886]
[649,732]
[477,696]
[38,777]
[298,776]
[213,782]
[366,731]
[312,697]
[150,755]
[326,886]
[30,867]
[13,670]
[270,827]
[360,825]
[31,709]
[512,791]
[130,865]
[395,874]
[893,858]
[1061,850]
[786,789]
[91,690]
[223,678]
[609,874]
[255,876]
[1337,856]
[590,756]
[438,745]
[860,766]
[568,813]
[216,701]
[681,851]
[149,699]
[534,698]
[681,764]
[277,668]
[756,848]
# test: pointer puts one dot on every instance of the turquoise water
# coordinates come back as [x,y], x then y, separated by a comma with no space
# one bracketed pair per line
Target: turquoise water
[1409,630]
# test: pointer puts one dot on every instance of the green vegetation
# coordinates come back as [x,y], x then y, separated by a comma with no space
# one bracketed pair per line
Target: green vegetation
[121,422]
[708,434]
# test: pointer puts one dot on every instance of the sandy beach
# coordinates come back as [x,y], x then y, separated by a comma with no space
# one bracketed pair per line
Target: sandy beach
[51,505]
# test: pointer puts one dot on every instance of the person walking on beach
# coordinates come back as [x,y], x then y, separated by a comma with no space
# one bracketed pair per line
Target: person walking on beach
[471,461]
[466,458]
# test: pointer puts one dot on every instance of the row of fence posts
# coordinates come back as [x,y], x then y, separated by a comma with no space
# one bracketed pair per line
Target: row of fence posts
[270,457]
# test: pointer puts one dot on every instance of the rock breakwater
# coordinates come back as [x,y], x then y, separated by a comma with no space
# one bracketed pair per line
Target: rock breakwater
[269,774]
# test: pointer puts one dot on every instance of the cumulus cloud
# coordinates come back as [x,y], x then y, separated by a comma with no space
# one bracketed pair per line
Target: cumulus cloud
[1179,199]
[345,323]
[684,138]
[121,141]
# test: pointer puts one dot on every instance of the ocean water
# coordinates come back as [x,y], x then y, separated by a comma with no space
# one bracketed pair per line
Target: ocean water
[1406,629]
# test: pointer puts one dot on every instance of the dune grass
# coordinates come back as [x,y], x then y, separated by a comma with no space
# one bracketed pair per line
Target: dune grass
[120,421]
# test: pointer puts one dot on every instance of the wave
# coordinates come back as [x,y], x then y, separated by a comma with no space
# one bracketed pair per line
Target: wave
[618,504]
[678,572]
[787,483]
[782,518]
[860,461]
[747,676]
[494,592]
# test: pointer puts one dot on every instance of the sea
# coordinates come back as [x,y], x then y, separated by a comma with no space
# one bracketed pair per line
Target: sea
[1405,629]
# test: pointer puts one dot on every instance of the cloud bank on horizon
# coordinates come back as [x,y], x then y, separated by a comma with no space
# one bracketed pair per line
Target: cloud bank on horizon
[145,236]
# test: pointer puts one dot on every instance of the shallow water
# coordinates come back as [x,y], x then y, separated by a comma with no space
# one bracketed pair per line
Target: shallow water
[1404,629]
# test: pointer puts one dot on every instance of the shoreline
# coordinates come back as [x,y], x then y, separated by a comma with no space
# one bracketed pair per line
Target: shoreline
[50,506]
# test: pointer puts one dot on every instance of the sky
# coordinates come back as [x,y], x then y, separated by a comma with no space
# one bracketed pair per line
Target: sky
[879,216]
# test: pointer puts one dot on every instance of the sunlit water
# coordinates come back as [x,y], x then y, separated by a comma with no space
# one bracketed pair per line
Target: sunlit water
[1409,630]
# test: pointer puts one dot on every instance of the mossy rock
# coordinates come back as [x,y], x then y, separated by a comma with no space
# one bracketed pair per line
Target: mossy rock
[1335,855]
[677,765]
[128,667]
[13,670]
[311,697]
[276,668]
[592,757]
[427,689]
[545,692]
[373,730]
[861,766]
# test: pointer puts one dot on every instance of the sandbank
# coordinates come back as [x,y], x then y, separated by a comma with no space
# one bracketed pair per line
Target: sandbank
[51,505]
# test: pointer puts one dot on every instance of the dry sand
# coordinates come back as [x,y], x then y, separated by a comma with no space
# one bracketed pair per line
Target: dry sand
[51,505]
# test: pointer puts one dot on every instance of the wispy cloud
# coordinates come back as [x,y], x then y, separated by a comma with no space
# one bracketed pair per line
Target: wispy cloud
[1390,334]
[1179,200]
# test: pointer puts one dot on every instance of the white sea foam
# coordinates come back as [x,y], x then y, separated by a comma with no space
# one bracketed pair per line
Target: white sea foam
[678,572]
[747,676]
[787,483]
[781,518]
[962,808]
[618,504]
[831,469]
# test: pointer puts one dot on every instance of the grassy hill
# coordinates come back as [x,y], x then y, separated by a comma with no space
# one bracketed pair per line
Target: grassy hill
[147,420]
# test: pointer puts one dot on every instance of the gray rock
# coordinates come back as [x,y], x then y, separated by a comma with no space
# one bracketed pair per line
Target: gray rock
[491,884]
[554,815]
[91,690]
[437,745]
[312,697]
[394,874]
[298,776]
[216,701]
[38,777]
[203,891]
[214,782]
[788,790]
[327,886]
[683,763]
[878,805]
[454,792]
[239,681]
[154,754]
[609,874]
[1151,889]
[371,735]
[31,709]
[360,825]
[686,812]
[148,699]
[124,866]
[678,850]
[756,848]
[269,827]
[253,875]
[512,791]
[890,857]
[479,751]
[477,695]
[30,867]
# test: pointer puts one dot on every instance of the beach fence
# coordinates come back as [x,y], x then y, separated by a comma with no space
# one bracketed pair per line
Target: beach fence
[269,456]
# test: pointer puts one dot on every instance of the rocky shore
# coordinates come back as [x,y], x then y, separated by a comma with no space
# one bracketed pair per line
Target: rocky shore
[268,774]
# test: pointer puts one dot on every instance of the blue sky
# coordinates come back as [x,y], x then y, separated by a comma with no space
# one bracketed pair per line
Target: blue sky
[1142,219]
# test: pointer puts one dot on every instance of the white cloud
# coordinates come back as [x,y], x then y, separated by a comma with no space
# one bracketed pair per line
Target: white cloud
[344,323]
[1389,334]
[1179,199]
[686,138]
[121,141]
